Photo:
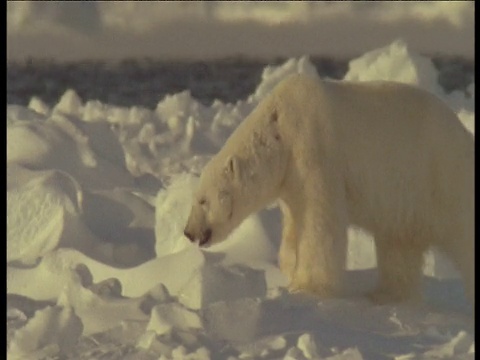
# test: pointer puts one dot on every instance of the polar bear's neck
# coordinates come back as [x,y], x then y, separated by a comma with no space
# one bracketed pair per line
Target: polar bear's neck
[262,163]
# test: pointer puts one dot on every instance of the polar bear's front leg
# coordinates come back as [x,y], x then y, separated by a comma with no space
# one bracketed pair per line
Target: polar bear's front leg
[287,256]
[321,251]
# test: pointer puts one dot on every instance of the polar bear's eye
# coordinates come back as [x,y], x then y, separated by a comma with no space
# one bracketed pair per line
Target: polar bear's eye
[202,201]
[274,116]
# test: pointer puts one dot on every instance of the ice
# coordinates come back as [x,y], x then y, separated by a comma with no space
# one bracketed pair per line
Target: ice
[57,269]
[294,353]
[172,207]
[439,266]
[70,104]
[244,313]
[468,119]
[166,317]
[53,330]
[395,62]
[42,215]
[97,199]
[27,145]
[213,282]
[460,344]
[60,143]
[271,76]
[349,354]
[361,250]
[306,344]
[148,341]
[36,104]
[100,308]
[16,114]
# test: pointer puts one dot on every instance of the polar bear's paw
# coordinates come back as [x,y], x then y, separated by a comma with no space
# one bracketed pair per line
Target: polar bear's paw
[319,290]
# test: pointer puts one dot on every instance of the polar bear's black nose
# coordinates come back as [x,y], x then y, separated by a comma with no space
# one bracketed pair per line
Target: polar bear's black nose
[207,234]
[188,235]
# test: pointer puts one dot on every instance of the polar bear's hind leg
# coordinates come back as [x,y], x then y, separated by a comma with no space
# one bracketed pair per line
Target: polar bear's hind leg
[400,267]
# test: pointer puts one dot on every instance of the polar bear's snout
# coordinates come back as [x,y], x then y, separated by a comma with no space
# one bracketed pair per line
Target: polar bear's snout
[202,240]
[207,235]
[188,235]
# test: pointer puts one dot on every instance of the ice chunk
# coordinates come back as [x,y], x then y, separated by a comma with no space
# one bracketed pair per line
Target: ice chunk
[174,110]
[150,341]
[468,120]
[294,353]
[272,75]
[306,343]
[234,320]
[36,104]
[40,215]
[258,231]
[213,282]
[70,104]
[95,111]
[262,348]
[201,353]
[53,330]
[458,345]
[395,63]
[165,317]
[349,354]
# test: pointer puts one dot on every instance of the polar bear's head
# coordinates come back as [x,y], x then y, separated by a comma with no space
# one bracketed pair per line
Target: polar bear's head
[213,214]
[243,177]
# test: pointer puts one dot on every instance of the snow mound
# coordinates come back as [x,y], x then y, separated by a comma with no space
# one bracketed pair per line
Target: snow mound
[36,341]
[60,143]
[395,63]
[172,207]
[272,75]
[41,215]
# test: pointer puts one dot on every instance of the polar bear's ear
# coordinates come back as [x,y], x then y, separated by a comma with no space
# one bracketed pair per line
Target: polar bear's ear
[232,167]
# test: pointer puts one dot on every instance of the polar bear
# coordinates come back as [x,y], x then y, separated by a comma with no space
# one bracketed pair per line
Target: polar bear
[384,156]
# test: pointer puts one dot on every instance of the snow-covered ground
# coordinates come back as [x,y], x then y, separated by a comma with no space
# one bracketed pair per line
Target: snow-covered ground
[97,265]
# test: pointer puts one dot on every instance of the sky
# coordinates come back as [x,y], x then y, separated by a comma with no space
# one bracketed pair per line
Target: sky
[78,30]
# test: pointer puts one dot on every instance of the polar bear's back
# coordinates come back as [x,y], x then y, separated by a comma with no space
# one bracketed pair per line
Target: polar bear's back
[402,151]
[407,152]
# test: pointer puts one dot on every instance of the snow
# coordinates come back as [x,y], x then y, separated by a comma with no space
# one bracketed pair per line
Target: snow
[97,199]
[35,340]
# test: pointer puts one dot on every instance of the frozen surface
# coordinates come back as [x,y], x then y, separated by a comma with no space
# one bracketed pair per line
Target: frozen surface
[97,199]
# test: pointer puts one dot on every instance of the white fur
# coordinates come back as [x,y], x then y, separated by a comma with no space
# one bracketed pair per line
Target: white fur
[387,157]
